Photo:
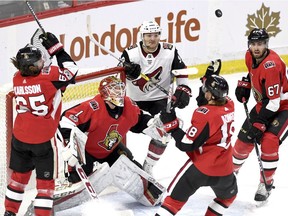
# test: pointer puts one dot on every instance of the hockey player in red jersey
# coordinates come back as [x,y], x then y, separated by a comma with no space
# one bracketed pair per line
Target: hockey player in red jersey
[207,142]
[156,60]
[107,118]
[268,79]
[38,92]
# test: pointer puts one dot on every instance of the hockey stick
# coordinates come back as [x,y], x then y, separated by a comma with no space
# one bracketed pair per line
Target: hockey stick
[187,71]
[90,189]
[256,146]
[79,139]
[35,17]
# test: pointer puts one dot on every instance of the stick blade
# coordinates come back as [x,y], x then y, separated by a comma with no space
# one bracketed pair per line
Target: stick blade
[185,71]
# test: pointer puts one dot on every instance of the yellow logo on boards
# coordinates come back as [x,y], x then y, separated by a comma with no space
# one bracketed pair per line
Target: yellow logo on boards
[264,19]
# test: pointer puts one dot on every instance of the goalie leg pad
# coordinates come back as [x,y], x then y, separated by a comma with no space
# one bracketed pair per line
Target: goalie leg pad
[128,177]
[100,179]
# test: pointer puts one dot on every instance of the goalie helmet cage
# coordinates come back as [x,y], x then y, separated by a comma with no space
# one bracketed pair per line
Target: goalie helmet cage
[86,87]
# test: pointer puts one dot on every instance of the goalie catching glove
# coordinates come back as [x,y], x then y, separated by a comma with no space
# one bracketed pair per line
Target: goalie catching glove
[51,43]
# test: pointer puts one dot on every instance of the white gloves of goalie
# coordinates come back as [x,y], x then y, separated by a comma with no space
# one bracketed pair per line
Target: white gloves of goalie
[70,154]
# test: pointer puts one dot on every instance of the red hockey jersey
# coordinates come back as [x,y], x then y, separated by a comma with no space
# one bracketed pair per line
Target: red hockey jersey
[269,81]
[104,132]
[38,103]
[209,138]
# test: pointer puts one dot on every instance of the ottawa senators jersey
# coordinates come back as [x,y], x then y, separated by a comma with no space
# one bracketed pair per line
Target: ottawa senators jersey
[38,102]
[208,140]
[157,66]
[104,131]
[269,81]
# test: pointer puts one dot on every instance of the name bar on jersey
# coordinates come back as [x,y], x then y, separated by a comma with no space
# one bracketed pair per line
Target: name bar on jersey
[30,89]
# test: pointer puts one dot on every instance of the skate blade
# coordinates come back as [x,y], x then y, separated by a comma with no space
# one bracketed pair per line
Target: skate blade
[261,203]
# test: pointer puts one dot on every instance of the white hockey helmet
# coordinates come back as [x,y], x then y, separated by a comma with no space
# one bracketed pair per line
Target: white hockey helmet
[149,27]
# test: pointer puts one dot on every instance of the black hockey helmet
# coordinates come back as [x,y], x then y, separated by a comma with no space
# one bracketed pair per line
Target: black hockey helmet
[258,35]
[26,57]
[217,85]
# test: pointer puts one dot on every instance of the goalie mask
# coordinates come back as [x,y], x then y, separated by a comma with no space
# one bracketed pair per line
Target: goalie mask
[149,27]
[29,61]
[112,89]
[218,87]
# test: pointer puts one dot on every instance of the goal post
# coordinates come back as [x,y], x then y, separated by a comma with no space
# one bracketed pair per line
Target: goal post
[86,87]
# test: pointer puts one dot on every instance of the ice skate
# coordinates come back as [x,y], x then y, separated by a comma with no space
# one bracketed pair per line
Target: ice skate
[8,213]
[262,194]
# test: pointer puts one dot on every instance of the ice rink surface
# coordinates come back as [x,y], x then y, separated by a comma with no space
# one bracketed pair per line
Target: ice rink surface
[173,159]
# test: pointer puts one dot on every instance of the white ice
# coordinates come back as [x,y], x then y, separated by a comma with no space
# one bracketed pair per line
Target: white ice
[173,159]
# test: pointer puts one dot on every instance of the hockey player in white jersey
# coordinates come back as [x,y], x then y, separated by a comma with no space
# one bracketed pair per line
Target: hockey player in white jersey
[156,60]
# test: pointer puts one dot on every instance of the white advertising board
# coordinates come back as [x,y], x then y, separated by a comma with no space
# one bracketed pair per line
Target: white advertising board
[191,25]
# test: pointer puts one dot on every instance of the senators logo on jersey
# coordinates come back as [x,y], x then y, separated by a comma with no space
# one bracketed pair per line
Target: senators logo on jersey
[113,138]
[146,86]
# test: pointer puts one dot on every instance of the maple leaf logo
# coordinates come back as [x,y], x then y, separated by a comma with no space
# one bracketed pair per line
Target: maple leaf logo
[263,19]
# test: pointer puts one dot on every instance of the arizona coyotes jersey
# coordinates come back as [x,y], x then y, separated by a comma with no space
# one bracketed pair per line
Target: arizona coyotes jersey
[38,102]
[269,80]
[208,140]
[104,131]
[157,66]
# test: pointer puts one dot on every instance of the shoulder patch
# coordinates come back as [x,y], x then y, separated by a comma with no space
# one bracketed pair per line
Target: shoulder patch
[94,105]
[167,46]
[269,64]
[132,46]
[203,110]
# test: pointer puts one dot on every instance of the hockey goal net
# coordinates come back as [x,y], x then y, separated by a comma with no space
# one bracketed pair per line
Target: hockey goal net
[87,82]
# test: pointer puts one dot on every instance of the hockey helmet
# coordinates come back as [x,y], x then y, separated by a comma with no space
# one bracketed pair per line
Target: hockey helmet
[112,89]
[258,35]
[217,85]
[26,57]
[149,27]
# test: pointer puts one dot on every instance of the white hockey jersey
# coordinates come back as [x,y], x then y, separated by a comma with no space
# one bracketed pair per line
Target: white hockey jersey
[157,66]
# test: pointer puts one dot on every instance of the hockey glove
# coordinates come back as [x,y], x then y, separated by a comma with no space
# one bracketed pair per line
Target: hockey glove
[181,96]
[256,131]
[169,120]
[201,100]
[132,70]
[70,154]
[213,68]
[51,43]
[243,90]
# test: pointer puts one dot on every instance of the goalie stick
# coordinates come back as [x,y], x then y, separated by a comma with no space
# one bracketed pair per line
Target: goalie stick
[186,71]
